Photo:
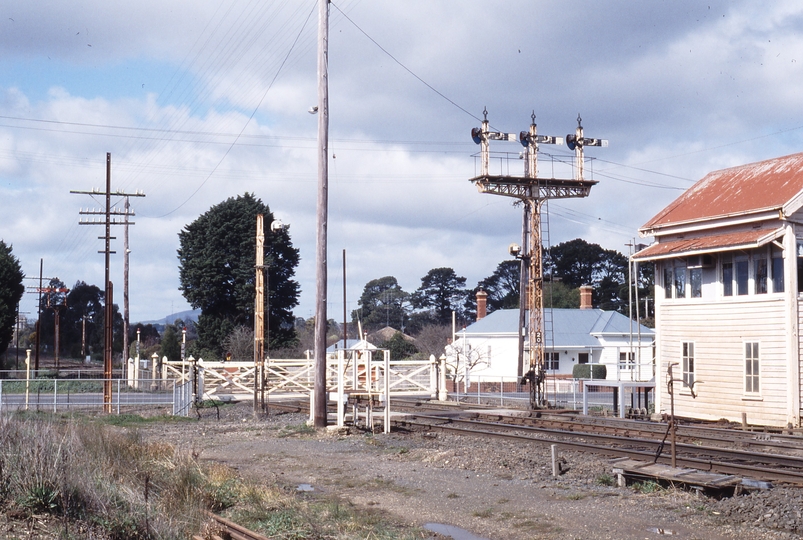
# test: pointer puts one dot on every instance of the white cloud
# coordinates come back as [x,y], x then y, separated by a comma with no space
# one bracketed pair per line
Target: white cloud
[679,89]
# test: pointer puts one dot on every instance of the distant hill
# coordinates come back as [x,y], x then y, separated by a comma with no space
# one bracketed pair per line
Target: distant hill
[189,315]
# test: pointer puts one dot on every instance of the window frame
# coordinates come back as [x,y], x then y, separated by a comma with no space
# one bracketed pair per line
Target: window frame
[751,366]
[552,361]
[688,367]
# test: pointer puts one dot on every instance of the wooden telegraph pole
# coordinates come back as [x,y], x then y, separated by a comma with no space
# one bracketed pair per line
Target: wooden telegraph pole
[259,319]
[108,221]
[319,390]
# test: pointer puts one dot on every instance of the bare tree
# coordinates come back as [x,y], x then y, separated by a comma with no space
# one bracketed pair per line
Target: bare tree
[462,358]
[240,343]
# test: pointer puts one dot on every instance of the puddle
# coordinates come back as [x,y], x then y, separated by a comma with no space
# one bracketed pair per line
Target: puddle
[662,532]
[305,487]
[450,530]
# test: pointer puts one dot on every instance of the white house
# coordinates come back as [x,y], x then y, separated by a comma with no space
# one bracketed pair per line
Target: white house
[727,257]
[577,336]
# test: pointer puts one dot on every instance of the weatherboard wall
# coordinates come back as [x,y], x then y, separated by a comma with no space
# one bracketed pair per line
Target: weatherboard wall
[719,331]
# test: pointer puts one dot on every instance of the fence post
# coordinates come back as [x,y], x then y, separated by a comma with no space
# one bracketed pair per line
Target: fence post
[501,391]
[387,391]
[118,396]
[55,393]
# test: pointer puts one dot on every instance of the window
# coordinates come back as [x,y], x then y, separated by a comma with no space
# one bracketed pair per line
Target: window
[799,266]
[751,368]
[680,282]
[552,361]
[688,363]
[761,275]
[777,273]
[727,278]
[741,277]
[627,360]
[667,282]
[696,282]
[582,358]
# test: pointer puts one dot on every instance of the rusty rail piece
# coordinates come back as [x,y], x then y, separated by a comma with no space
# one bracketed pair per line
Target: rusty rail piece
[229,530]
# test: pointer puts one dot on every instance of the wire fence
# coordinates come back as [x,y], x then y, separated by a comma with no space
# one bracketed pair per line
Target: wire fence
[60,395]
[560,393]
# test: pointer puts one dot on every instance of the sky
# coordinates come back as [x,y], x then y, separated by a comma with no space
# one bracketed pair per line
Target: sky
[205,100]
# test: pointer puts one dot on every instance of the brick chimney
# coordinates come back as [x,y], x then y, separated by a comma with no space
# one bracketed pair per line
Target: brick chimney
[585,297]
[482,304]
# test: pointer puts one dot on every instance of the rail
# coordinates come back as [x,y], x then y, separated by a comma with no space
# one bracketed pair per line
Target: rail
[223,528]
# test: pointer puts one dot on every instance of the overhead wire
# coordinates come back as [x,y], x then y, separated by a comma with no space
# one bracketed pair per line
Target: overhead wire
[228,150]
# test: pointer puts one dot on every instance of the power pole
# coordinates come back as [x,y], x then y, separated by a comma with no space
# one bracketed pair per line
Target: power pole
[108,221]
[259,319]
[126,251]
[532,191]
[38,291]
[319,390]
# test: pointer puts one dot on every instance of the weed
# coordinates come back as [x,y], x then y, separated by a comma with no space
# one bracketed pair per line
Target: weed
[486,513]
[605,479]
[576,496]
[296,430]
[647,487]
[453,495]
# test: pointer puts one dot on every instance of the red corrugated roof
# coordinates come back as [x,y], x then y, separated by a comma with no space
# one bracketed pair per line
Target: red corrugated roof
[766,185]
[687,246]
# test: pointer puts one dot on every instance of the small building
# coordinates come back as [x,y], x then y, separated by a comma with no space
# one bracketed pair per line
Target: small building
[359,345]
[578,336]
[727,257]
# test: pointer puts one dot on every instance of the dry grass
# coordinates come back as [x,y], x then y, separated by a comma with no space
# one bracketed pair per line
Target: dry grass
[106,482]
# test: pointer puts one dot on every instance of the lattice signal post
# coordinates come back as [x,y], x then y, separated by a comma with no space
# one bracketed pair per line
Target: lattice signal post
[533,192]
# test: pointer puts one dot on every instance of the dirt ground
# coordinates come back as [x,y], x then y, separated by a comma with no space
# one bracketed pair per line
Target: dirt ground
[494,490]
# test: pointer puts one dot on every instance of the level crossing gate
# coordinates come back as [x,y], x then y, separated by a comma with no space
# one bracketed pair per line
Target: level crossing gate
[360,371]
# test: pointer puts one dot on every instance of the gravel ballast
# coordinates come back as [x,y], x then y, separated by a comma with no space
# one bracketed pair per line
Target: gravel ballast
[494,489]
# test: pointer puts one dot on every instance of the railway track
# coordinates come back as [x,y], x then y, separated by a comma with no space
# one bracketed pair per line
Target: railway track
[762,456]
[224,529]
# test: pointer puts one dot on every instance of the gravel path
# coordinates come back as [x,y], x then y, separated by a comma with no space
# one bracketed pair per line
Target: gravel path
[496,490]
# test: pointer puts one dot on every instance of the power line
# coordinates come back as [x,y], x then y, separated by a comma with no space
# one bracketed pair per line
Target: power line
[247,122]
[405,68]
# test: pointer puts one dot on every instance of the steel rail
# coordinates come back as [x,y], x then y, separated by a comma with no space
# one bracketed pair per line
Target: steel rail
[781,460]
[688,433]
[761,473]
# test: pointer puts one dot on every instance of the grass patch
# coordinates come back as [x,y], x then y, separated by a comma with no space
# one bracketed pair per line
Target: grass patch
[453,495]
[647,487]
[120,486]
[486,513]
[296,430]
[605,479]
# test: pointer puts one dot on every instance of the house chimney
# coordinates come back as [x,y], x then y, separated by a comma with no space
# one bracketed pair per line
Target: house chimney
[585,297]
[482,304]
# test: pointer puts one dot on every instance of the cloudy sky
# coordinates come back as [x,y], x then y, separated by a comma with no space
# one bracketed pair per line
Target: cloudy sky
[202,100]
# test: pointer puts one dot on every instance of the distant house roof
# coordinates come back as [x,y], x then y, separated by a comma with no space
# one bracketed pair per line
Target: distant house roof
[767,186]
[384,334]
[351,344]
[570,327]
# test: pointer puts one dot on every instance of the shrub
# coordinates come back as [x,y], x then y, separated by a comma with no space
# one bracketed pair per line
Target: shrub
[589,371]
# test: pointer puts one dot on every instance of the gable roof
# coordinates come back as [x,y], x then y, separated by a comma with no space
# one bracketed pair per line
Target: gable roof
[754,188]
[351,344]
[570,327]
